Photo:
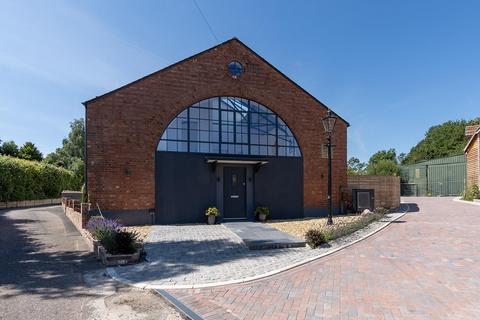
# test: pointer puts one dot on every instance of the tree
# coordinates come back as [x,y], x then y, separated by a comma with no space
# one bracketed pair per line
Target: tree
[356,167]
[446,139]
[390,154]
[71,154]
[10,148]
[30,152]
[383,163]
[384,168]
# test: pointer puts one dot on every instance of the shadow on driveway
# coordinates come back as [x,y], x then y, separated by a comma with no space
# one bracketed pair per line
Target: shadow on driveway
[42,254]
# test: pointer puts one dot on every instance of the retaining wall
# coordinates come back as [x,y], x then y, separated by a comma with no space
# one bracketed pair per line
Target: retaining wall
[387,189]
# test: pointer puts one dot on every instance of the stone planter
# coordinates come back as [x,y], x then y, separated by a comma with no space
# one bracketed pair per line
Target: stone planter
[262,217]
[211,220]
[117,259]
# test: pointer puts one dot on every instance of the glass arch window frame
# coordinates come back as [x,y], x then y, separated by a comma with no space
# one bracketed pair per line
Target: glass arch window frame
[229,126]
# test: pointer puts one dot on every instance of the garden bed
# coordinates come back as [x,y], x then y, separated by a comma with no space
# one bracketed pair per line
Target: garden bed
[299,227]
[316,231]
[113,243]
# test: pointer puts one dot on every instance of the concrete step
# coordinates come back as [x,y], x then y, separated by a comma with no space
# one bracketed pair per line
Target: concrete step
[259,236]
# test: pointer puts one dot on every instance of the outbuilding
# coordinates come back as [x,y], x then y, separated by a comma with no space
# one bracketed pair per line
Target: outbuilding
[222,128]
[472,155]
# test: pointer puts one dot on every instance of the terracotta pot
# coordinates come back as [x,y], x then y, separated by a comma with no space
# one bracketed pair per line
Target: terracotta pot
[211,219]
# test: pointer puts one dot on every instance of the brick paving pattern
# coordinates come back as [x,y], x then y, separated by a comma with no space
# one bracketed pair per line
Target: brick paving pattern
[201,254]
[424,266]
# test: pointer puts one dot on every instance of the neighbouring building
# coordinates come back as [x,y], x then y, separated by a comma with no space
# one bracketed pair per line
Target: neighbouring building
[222,128]
[436,177]
[472,155]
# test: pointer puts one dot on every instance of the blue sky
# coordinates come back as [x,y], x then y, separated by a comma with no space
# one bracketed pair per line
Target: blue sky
[391,68]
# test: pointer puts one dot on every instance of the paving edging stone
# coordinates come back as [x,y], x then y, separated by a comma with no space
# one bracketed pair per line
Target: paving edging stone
[143,285]
[475,203]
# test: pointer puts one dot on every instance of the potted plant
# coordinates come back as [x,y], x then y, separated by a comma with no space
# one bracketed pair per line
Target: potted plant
[262,213]
[212,213]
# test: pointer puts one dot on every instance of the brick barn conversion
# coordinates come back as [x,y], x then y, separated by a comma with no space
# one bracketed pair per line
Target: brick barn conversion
[472,155]
[222,128]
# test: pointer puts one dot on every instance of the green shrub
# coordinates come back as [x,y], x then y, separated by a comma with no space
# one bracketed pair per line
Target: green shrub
[122,242]
[262,210]
[212,211]
[315,237]
[31,180]
[471,193]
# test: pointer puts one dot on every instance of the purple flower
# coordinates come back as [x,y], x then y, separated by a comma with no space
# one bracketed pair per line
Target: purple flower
[96,223]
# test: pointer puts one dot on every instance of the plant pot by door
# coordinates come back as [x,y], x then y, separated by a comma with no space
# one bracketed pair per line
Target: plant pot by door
[211,219]
[262,217]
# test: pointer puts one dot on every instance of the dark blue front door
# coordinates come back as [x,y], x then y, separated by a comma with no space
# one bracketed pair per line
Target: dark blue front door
[234,192]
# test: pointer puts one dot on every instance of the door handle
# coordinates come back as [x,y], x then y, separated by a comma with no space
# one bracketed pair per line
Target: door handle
[234,196]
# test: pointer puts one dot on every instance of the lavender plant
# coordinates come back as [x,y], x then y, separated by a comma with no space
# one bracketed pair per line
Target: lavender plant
[101,228]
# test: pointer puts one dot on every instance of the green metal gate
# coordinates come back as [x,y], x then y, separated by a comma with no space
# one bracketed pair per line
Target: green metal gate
[437,177]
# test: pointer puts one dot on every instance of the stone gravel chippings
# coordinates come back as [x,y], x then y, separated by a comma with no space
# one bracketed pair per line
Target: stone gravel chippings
[197,255]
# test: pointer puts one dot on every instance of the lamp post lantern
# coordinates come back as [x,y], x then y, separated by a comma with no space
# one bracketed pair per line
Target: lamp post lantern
[329,124]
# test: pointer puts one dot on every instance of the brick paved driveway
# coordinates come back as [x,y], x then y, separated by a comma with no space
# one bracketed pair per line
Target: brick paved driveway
[424,266]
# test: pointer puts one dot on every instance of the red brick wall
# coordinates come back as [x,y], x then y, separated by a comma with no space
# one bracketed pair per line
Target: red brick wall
[473,164]
[124,127]
[387,189]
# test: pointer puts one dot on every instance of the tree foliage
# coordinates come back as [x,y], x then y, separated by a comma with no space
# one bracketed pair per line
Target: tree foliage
[383,163]
[71,154]
[446,139]
[9,148]
[356,167]
[384,168]
[29,151]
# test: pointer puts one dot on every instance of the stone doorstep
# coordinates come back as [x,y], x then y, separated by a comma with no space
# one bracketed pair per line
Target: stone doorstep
[258,236]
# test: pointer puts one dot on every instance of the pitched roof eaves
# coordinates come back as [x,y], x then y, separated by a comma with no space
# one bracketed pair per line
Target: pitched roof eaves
[85,103]
[476,134]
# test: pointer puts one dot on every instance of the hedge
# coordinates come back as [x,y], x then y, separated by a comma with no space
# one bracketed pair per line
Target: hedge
[32,180]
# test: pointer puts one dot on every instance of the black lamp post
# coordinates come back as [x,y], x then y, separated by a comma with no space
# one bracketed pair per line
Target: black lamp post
[329,124]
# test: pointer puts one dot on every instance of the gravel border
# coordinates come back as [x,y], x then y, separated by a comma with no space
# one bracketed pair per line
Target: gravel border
[325,250]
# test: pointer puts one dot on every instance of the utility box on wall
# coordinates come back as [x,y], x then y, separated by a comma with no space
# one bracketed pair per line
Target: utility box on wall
[363,199]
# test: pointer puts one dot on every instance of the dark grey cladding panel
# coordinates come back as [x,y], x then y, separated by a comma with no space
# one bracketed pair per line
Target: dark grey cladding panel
[185,187]
[279,186]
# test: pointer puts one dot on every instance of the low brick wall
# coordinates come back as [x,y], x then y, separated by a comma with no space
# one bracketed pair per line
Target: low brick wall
[29,203]
[387,189]
[78,219]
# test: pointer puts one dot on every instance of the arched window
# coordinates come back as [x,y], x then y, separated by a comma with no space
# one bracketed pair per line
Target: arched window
[231,126]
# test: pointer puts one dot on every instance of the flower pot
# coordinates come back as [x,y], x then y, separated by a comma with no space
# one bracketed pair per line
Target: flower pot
[262,217]
[211,219]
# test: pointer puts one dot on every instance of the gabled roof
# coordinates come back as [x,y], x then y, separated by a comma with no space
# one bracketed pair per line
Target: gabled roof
[472,137]
[234,39]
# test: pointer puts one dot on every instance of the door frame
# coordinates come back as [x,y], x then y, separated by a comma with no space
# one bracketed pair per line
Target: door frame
[249,192]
